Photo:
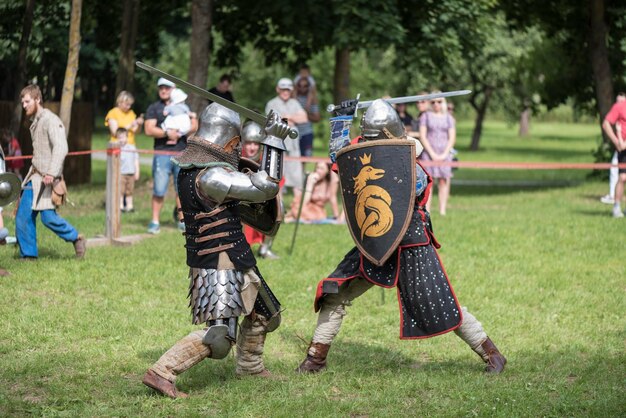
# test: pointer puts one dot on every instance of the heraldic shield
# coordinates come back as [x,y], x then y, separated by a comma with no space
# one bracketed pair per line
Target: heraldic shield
[378,187]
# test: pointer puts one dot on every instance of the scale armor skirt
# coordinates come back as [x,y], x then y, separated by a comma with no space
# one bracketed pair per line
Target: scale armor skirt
[215,294]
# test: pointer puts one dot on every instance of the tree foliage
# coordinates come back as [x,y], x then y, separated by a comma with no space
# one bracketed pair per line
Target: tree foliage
[515,55]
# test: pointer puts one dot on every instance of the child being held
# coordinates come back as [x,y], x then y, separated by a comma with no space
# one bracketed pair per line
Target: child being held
[129,163]
[177,114]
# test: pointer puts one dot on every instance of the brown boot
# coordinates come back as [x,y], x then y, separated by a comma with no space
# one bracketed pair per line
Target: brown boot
[495,360]
[80,246]
[162,385]
[315,360]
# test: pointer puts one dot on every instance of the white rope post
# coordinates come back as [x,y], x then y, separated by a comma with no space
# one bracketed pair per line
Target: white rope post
[113,213]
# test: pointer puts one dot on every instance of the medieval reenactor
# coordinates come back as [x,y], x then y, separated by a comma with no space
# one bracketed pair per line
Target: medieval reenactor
[225,282]
[385,191]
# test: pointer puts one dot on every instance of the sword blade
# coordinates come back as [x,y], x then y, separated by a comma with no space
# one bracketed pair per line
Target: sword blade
[406,99]
[243,111]
[419,98]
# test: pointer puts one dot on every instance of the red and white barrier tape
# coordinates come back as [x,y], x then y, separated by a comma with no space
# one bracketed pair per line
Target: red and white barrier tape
[460,164]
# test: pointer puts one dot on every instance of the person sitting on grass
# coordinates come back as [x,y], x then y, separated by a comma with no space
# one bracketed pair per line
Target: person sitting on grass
[321,189]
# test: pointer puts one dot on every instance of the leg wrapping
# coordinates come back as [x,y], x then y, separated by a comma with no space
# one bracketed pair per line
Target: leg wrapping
[185,354]
[471,331]
[250,344]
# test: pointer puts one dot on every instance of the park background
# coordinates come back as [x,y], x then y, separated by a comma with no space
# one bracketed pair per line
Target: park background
[533,254]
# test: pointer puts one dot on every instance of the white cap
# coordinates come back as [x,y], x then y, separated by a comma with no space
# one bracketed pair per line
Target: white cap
[178,96]
[285,83]
[165,82]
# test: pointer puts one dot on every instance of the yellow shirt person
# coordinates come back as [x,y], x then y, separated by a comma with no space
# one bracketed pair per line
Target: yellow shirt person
[122,116]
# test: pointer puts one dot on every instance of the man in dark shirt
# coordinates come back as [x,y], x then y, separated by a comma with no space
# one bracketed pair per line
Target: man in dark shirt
[223,88]
[165,142]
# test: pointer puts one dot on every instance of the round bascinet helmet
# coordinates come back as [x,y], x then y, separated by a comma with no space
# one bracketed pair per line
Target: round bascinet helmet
[252,132]
[381,121]
[218,124]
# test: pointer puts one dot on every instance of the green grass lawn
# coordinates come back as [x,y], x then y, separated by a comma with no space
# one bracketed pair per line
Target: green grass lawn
[541,267]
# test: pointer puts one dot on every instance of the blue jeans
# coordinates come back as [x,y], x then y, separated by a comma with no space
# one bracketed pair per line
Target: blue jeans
[162,168]
[26,227]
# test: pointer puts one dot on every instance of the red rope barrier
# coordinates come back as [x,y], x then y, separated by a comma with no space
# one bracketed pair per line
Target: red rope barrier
[457,164]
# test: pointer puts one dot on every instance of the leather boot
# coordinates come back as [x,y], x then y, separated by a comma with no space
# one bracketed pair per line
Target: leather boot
[315,360]
[162,385]
[495,360]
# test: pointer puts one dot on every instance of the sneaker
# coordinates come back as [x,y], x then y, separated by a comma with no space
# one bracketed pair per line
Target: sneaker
[617,212]
[80,246]
[181,226]
[154,228]
[607,200]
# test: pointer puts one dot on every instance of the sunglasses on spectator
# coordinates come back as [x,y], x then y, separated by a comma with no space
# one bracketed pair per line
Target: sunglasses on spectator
[303,85]
[436,101]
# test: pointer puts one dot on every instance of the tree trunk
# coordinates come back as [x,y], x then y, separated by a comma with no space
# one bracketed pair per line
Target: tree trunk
[342,75]
[524,122]
[20,72]
[201,21]
[71,69]
[481,111]
[599,56]
[126,65]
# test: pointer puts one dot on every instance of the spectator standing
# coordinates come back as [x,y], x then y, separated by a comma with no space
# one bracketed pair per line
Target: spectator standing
[11,148]
[129,163]
[617,117]
[422,106]
[223,88]
[438,136]
[290,109]
[405,117]
[165,142]
[609,199]
[49,151]
[305,72]
[122,116]
[308,100]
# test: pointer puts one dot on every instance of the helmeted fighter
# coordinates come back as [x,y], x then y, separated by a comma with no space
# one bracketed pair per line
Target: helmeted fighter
[385,191]
[224,282]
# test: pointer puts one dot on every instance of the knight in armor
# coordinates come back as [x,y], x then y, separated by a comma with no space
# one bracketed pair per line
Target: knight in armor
[224,281]
[428,305]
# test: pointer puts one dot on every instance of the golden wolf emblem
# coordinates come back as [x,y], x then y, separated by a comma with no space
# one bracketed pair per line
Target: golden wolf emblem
[373,204]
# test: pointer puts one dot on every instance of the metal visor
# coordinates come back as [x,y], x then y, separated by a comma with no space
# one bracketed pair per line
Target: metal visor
[378,188]
[10,187]
[265,217]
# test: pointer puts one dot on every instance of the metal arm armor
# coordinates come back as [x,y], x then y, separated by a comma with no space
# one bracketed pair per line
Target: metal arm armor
[219,184]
